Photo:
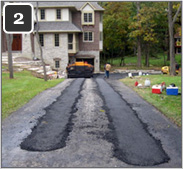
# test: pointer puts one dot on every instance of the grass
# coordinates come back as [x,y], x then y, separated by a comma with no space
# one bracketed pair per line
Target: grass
[4,67]
[18,91]
[170,106]
[157,61]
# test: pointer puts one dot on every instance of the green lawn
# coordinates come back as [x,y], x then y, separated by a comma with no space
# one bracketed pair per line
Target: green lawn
[170,106]
[157,61]
[18,91]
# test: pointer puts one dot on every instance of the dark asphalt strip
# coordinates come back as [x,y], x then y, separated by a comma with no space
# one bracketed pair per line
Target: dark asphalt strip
[53,128]
[134,145]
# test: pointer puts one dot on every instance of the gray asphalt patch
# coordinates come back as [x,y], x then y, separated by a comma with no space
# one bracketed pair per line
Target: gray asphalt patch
[114,76]
[53,128]
[135,144]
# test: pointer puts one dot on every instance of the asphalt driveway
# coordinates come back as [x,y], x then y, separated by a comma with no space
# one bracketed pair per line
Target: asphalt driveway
[90,123]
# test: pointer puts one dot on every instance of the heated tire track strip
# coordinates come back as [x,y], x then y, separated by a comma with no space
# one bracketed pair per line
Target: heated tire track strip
[135,145]
[52,128]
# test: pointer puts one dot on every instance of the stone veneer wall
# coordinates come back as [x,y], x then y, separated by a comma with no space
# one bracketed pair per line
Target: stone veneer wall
[26,46]
[50,52]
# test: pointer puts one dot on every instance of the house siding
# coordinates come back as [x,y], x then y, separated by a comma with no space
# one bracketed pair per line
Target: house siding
[65,14]
[76,18]
[50,15]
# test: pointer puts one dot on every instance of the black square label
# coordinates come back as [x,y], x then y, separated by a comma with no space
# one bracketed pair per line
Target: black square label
[18,18]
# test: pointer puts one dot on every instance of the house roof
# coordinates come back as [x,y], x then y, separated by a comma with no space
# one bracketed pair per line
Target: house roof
[57,27]
[74,4]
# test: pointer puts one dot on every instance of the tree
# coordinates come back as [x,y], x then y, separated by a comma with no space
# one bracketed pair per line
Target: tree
[37,37]
[139,52]
[171,22]
[147,27]
[116,29]
[141,27]
[148,22]
[9,39]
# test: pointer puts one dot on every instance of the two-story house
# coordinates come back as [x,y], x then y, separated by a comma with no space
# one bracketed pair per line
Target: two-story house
[68,32]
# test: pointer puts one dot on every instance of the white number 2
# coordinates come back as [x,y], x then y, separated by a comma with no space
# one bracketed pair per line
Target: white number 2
[19,20]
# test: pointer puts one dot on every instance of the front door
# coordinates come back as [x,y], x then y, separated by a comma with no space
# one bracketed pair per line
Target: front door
[17,42]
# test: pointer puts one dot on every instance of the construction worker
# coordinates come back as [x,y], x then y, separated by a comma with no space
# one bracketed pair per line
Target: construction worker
[107,68]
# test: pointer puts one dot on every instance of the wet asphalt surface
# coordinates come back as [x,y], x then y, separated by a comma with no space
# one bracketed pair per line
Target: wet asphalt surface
[93,122]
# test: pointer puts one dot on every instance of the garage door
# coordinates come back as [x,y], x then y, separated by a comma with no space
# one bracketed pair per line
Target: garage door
[90,61]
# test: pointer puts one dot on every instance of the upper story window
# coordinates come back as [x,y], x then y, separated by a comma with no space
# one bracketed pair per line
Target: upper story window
[58,13]
[88,37]
[41,39]
[101,36]
[101,17]
[88,14]
[88,17]
[57,40]
[42,14]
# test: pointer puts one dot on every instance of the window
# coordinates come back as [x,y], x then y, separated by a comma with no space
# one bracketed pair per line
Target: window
[88,17]
[88,36]
[42,14]
[57,64]
[101,36]
[101,17]
[70,41]
[58,13]
[85,36]
[56,39]
[41,39]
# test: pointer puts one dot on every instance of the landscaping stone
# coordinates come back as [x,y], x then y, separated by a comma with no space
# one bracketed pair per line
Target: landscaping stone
[25,66]
[19,70]
[33,68]
[17,65]
[21,59]
[39,71]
